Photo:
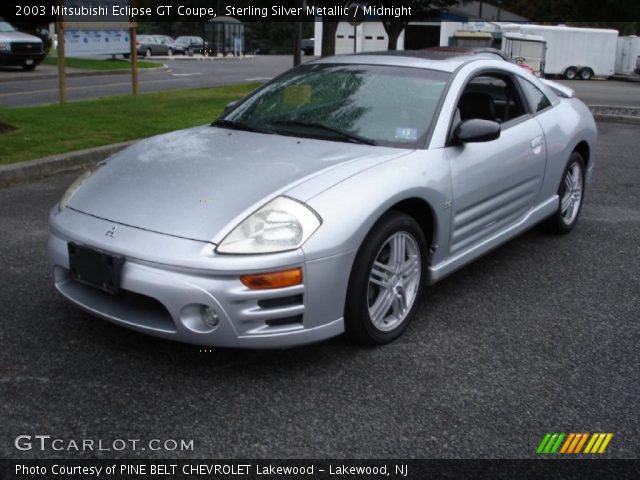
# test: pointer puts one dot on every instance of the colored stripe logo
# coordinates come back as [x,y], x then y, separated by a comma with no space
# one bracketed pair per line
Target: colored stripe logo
[573,443]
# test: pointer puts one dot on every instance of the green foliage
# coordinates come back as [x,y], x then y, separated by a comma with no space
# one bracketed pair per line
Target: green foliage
[50,129]
[622,15]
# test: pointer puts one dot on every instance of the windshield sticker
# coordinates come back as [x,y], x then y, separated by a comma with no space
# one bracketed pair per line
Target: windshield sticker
[406,133]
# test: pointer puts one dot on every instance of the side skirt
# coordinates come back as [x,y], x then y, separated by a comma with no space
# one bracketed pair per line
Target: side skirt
[450,265]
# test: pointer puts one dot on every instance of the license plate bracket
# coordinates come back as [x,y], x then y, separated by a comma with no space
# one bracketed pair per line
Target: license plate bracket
[95,268]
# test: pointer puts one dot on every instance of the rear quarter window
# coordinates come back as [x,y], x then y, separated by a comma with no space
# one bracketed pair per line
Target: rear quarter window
[535,96]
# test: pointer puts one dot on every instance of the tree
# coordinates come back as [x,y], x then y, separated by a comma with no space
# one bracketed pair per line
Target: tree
[329,25]
[419,9]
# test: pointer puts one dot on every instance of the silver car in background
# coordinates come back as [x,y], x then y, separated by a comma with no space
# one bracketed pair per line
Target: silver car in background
[323,202]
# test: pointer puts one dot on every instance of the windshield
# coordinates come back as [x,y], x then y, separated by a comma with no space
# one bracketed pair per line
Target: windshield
[382,105]
[5,27]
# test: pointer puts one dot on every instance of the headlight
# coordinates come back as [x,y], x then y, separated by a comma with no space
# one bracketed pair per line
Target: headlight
[282,224]
[75,186]
[5,47]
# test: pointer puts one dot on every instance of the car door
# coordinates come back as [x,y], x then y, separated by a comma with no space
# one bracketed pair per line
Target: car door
[494,183]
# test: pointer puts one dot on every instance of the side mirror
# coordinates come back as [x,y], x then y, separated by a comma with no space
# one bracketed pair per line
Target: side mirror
[476,130]
[230,106]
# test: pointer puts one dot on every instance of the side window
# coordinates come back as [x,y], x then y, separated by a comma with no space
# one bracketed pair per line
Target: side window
[538,100]
[491,97]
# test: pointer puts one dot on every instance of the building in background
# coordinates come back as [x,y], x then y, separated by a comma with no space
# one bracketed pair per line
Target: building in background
[371,36]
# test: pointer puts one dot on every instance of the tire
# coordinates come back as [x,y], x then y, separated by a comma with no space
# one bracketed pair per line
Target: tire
[147,53]
[570,204]
[570,73]
[170,52]
[28,68]
[585,74]
[381,301]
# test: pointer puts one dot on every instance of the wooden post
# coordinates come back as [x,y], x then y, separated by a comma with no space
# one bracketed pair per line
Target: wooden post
[62,76]
[134,59]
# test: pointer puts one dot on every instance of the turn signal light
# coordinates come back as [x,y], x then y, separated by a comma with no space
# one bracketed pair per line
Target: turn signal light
[285,278]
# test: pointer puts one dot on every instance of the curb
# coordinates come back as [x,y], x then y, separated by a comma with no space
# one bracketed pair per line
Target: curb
[31,170]
[56,164]
[609,113]
[626,78]
[82,73]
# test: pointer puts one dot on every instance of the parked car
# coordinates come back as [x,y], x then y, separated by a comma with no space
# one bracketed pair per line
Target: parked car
[308,45]
[18,48]
[324,201]
[149,45]
[190,44]
[170,43]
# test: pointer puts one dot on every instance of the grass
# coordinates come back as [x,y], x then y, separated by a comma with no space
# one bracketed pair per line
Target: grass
[92,64]
[50,129]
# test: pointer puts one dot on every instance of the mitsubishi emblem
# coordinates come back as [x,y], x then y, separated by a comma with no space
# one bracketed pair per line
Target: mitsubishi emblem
[111,232]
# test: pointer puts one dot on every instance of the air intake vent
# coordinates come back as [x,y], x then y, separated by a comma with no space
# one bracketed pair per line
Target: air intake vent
[276,322]
[281,302]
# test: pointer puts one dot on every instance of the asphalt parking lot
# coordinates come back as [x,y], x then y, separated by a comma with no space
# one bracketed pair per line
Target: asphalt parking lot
[18,88]
[541,335]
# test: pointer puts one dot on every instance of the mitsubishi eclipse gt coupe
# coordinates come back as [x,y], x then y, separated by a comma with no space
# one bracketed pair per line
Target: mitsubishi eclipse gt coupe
[324,202]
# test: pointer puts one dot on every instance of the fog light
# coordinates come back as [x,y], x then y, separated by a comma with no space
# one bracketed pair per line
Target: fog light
[209,316]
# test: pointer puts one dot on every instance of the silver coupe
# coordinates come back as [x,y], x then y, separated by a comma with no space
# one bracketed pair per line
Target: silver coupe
[323,202]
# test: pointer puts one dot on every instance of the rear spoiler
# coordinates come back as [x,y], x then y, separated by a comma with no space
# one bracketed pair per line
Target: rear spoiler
[559,89]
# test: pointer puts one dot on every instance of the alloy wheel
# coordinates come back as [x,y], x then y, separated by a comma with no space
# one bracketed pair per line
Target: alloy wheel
[394,281]
[572,196]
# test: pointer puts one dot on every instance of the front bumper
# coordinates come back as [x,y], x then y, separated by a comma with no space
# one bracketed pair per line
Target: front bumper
[164,299]
[19,59]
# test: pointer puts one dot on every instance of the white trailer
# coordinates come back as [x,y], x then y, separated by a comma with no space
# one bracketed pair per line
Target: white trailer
[526,49]
[574,52]
[627,54]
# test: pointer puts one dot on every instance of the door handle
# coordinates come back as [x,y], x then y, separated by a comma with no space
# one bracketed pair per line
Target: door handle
[536,144]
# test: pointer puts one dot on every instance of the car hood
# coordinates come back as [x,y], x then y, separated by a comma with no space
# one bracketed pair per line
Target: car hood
[199,183]
[18,37]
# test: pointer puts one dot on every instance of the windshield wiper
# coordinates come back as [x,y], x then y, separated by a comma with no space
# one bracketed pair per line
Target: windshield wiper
[221,122]
[352,137]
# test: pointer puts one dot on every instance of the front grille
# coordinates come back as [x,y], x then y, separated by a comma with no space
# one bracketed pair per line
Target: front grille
[26,47]
[126,306]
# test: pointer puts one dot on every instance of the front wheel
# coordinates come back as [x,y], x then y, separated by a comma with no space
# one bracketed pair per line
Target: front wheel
[170,52]
[29,67]
[571,194]
[385,286]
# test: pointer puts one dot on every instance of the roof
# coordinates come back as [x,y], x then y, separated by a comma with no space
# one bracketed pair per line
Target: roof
[443,61]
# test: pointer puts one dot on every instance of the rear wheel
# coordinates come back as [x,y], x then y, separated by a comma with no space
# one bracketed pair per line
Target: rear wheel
[386,281]
[571,194]
[170,52]
[147,53]
[570,73]
[585,74]
[28,68]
